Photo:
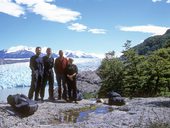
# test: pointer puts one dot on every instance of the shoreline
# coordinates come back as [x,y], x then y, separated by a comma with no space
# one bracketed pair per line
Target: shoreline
[19,90]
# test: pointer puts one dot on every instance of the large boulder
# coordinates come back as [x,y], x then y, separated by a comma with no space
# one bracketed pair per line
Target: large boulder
[88,81]
[115,99]
[113,94]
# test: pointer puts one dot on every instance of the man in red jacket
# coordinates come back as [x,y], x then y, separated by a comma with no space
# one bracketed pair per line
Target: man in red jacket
[60,65]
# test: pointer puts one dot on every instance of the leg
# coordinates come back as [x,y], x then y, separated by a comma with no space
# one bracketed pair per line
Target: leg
[69,89]
[74,90]
[51,87]
[58,77]
[32,88]
[64,95]
[42,89]
[38,87]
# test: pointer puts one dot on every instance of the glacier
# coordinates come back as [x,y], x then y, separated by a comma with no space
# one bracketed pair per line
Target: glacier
[19,74]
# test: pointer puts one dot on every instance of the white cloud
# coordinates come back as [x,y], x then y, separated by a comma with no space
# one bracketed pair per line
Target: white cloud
[83,28]
[156,0]
[97,31]
[50,11]
[53,13]
[155,30]
[47,10]
[29,2]
[13,9]
[77,27]
[168,1]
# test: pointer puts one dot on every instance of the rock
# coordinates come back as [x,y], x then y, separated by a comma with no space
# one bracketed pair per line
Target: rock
[116,101]
[88,82]
[113,94]
[99,100]
[79,95]
[137,112]
[89,77]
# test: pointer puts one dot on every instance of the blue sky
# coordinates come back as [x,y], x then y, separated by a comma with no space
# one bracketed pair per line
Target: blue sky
[95,26]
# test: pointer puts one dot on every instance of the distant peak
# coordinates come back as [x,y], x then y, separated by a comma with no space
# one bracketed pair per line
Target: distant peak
[25,51]
[19,48]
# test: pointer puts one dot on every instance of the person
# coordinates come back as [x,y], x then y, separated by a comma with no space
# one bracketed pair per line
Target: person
[71,73]
[37,68]
[59,67]
[48,61]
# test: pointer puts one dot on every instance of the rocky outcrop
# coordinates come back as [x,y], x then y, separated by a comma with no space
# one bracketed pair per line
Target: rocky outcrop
[137,112]
[88,81]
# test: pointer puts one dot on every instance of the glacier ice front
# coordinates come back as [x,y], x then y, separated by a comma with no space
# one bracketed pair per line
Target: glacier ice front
[13,75]
[19,74]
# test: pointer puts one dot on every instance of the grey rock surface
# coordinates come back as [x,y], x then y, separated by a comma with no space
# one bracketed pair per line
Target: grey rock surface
[88,81]
[137,112]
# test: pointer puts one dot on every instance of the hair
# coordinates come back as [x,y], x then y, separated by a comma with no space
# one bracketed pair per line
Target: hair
[70,59]
[48,48]
[38,47]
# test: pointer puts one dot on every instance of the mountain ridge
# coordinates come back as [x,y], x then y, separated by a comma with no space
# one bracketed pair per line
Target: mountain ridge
[153,43]
[26,52]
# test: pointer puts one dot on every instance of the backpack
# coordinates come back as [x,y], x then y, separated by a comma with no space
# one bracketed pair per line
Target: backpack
[22,104]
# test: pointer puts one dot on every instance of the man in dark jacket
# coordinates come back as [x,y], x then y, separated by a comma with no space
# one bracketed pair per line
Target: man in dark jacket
[37,68]
[71,72]
[48,61]
[59,67]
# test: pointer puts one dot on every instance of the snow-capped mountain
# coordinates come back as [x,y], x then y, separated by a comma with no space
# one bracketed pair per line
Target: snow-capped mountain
[27,52]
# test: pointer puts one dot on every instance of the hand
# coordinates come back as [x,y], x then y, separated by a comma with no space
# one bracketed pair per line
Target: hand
[70,77]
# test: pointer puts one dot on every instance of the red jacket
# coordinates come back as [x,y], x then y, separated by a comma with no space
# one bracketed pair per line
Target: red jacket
[60,65]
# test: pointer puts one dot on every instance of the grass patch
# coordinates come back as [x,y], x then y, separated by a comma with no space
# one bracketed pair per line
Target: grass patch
[89,95]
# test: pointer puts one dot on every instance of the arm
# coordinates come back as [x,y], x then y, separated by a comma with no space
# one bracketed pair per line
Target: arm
[32,64]
[74,74]
[55,66]
[52,64]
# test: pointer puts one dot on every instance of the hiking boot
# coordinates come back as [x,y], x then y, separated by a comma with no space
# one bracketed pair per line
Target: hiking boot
[51,99]
[75,102]
[42,99]
[70,101]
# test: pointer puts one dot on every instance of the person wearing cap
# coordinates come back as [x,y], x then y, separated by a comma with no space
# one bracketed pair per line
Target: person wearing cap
[59,67]
[71,73]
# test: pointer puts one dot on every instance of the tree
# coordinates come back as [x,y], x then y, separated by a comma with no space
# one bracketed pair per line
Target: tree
[110,71]
[158,72]
[133,73]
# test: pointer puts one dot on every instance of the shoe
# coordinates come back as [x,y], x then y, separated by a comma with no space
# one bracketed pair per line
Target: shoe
[36,99]
[42,99]
[70,101]
[51,99]
[59,98]
[76,102]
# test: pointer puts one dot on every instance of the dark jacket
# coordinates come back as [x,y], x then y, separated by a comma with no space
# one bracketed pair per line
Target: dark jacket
[36,65]
[48,65]
[71,69]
